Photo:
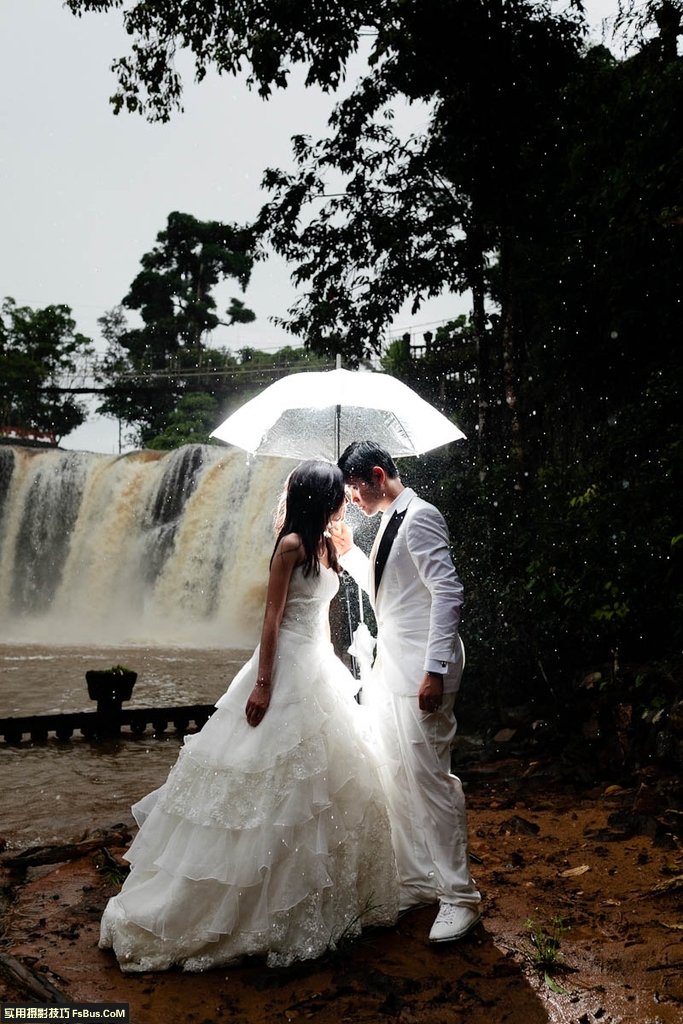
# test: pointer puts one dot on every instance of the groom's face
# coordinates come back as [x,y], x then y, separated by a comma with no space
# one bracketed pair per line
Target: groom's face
[368,495]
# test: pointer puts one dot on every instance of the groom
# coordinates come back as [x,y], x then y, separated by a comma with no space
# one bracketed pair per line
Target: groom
[416,596]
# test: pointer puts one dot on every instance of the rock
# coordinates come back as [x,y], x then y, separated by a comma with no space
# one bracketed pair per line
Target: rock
[676,718]
[504,735]
[647,801]
[519,826]
[590,730]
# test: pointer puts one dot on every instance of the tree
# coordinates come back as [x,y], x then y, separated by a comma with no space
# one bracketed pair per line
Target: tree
[598,289]
[432,212]
[191,422]
[198,413]
[415,216]
[268,39]
[148,369]
[596,278]
[39,349]
[173,290]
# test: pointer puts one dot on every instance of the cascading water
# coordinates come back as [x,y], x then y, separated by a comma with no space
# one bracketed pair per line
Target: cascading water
[146,547]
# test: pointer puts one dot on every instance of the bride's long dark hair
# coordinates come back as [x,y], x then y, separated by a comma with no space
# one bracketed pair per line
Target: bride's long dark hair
[313,492]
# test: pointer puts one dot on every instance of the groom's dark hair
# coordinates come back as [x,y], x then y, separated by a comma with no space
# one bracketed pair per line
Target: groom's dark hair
[357,460]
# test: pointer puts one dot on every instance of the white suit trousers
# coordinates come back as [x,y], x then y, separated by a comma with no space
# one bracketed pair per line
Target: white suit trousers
[425,800]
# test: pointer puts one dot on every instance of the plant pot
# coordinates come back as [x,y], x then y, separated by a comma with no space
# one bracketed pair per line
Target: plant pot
[111,687]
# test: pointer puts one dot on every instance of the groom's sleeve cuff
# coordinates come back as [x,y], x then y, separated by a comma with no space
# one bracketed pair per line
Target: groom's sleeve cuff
[440,667]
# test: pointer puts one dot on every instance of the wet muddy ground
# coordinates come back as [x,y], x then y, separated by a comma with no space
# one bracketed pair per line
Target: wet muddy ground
[598,871]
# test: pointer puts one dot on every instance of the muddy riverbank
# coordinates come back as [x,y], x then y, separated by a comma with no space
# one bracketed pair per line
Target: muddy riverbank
[598,868]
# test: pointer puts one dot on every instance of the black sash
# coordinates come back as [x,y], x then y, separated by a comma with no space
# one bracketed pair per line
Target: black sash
[387,540]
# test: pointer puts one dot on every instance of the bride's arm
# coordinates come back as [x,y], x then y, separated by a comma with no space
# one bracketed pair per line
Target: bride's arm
[285,559]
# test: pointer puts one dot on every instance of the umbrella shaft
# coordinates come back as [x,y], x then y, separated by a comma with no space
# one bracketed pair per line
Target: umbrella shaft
[337,432]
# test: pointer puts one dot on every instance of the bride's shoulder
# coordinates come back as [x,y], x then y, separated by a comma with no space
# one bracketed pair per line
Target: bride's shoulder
[290,548]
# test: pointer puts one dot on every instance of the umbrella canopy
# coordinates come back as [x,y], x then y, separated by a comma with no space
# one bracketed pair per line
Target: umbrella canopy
[315,415]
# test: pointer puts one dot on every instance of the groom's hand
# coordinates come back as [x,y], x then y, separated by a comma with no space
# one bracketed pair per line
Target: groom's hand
[430,694]
[342,536]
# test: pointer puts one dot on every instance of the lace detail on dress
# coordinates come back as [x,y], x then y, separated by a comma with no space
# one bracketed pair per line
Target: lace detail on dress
[247,800]
[361,892]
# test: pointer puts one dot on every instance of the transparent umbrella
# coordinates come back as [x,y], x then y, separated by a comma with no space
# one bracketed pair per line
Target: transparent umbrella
[316,414]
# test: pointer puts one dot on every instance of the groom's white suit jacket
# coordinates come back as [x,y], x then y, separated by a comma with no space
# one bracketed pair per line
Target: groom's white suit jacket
[417,604]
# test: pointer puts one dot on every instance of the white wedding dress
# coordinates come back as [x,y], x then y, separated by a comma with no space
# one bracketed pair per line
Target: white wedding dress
[270,841]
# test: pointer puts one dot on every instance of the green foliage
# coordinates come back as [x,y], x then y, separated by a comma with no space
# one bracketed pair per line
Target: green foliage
[297,359]
[568,543]
[38,353]
[197,413]
[148,369]
[545,942]
[191,422]
[596,302]
[268,40]
[173,290]
[576,568]
[545,952]
[110,869]
[608,570]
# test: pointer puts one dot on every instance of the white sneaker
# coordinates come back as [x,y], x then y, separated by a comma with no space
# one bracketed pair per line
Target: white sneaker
[453,922]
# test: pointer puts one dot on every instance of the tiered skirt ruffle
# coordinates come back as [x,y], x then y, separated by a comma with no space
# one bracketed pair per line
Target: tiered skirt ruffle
[271,841]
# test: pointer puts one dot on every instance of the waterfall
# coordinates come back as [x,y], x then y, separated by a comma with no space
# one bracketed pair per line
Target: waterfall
[147,547]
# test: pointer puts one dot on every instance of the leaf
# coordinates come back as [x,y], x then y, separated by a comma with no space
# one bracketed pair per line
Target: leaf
[674,884]
[573,872]
[553,986]
[677,927]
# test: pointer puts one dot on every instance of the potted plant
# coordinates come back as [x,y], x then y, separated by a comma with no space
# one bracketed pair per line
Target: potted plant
[111,685]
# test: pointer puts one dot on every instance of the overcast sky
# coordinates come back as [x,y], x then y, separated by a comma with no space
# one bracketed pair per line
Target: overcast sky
[83,193]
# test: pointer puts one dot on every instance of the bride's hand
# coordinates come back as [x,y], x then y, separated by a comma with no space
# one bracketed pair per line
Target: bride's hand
[341,536]
[258,702]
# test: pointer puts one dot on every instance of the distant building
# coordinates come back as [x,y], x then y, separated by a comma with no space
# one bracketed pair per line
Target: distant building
[30,438]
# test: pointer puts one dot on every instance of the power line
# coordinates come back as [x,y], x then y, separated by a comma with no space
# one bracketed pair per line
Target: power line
[236,373]
[233,372]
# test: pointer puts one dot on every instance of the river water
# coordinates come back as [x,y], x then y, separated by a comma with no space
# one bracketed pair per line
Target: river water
[156,561]
[56,791]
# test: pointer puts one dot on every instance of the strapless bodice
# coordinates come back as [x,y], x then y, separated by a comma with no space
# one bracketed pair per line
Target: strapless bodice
[308,601]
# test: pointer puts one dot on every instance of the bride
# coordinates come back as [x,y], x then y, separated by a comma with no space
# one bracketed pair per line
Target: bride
[270,836]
